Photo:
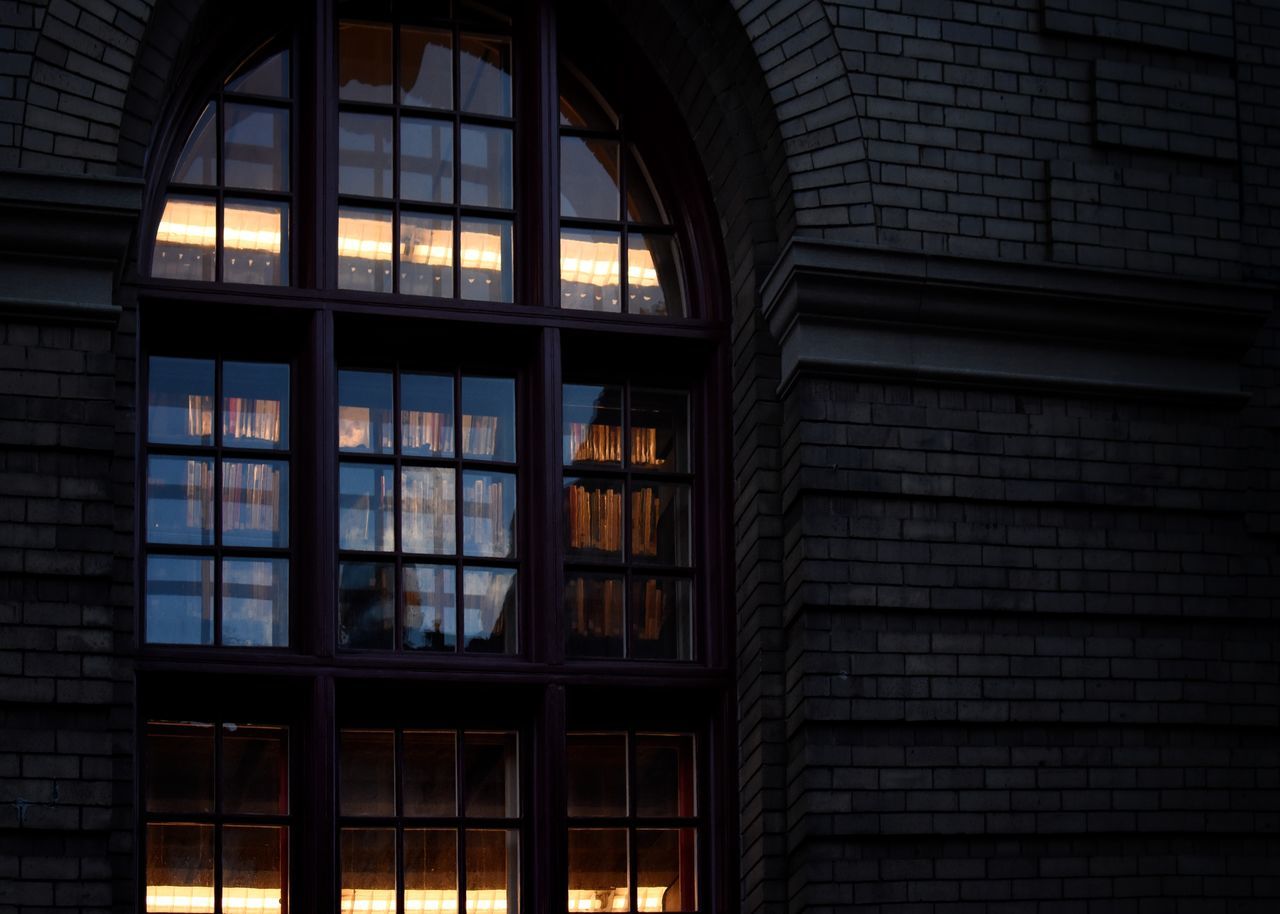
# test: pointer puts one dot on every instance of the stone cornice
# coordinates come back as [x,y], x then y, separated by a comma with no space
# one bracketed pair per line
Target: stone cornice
[865,310]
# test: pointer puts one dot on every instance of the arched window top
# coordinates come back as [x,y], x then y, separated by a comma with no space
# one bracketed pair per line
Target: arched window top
[425,180]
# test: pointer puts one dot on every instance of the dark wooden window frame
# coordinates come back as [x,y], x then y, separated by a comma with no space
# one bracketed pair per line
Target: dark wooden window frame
[319,689]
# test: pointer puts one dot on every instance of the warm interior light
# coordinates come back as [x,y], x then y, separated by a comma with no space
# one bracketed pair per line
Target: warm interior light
[198,899]
[648,898]
[422,901]
[191,223]
[370,239]
[595,263]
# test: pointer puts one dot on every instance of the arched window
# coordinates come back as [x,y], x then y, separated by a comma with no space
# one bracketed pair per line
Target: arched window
[431,500]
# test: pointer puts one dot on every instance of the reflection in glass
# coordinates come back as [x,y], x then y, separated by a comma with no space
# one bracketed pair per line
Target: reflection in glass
[588,178]
[366,604]
[485,258]
[429,775]
[254,764]
[430,607]
[427,504]
[654,283]
[490,775]
[255,147]
[366,507]
[179,768]
[198,163]
[488,418]
[364,412]
[364,62]
[485,166]
[665,867]
[180,500]
[593,517]
[180,869]
[590,270]
[426,68]
[661,618]
[255,243]
[484,75]
[492,876]
[253,868]
[598,870]
[489,514]
[659,431]
[269,78]
[368,871]
[426,255]
[255,405]
[489,610]
[365,154]
[592,424]
[255,602]
[426,415]
[255,503]
[660,523]
[597,774]
[180,401]
[186,240]
[431,870]
[426,160]
[593,612]
[179,600]
[581,105]
[664,774]
[366,768]
[643,203]
[364,250]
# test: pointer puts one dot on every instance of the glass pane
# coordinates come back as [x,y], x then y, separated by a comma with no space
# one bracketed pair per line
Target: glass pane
[643,204]
[180,500]
[364,412]
[664,775]
[431,871]
[489,514]
[486,166]
[253,858]
[366,507]
[255,773]
[597,774]
[659,431]
[660,523]
[271,78]
[661,618]
[489,418]
[666,861]
[180,401]
[364,154]
[179,600]
[427,510]
[430,607]
[593,612]
[598,870]
[581,105]
[366,772]
[180,869]
[256,147]
[426,255]
[490,774]
[255,602]
[255,405]
[484,75]
[186,239]
[489,610]
[654,283]
[198,163]
[493,879]
[593,518]
[364,62]
[590,268]
[589,178]
[426,160]
[426,68]
[426,415]
[178,764]
[592,424]
[485,257]
[255,242]
[368,871]
[255,503]
[366,604]
[430,787]
[364,250]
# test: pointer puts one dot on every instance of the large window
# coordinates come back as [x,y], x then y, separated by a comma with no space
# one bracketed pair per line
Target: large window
[430,491]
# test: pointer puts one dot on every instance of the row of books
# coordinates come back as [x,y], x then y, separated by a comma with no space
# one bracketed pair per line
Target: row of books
[199,495]
[486,528]
[251,419]
[199,416]
[428,431]
[480,435]
[420,431]
[595,606]
[595,519]
[251,496]
[592,442]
